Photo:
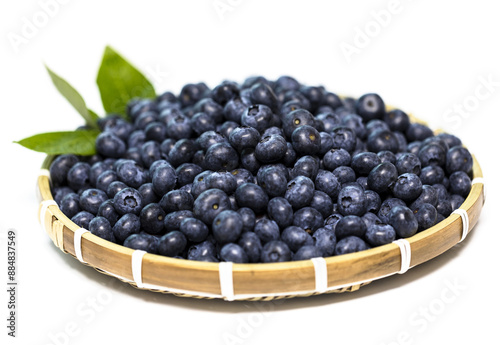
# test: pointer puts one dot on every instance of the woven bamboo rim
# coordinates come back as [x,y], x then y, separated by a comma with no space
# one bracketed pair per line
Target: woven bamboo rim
[187,278]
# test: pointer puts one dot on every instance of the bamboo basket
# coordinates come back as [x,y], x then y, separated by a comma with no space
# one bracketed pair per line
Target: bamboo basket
[261,281]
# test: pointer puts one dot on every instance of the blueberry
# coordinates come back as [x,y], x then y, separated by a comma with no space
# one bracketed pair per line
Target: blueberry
[221,156]
[82,219]
[350,226]
[227,226]
[233,253]
[194,229]
[101,227]
[150,152]
[418,132]
[275,251]
[258,116]
[172,244]
[378,234]
[79,176]
[458,159]
[107,210]
[244,137]
[209,107]
[267,230]
[145,118]
[363,163]
[300,192]
[306,140]
[322,202]
[252,196]
[382,177]
[152,219]
[426,216]
[336,158]
[296,119]
[387,156]
[163,179]
[242,176]
[70,204]
[432,154]
[306,166]
[222,180]
[186,173]
[408,163]
[404,222]
[204,251]
[127,225]
[136,139]
[272,180]
[226,128]
[407,187]
[370,106]
[235,107]
[130,173]
[262,93]
[110,145]
[307,252]
[386,207]
[97,169]
[443,207]
[210,203]
[456,201]
[174,219]
[397,120]
[351,201]
[202,122]
[91,199]
[105,179]
[350,244]
[182,152]
[460,183]
[432,174]
[59,168]
[428,196]
[128,200]
[344,138]
[370,219]
[147,193]
[308,218]
[373,201]
[382,140]
[280,210]
[252,246]
[155,131]
[271,149]
[325,240]
[286,83]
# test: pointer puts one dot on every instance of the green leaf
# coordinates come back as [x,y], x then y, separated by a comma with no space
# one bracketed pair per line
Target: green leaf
[119,82]
[74,98]
[79,142]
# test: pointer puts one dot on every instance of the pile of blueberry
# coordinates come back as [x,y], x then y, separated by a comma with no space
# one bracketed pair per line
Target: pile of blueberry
[263,171]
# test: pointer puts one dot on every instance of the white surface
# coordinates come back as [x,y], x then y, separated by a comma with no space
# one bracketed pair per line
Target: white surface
[429,58]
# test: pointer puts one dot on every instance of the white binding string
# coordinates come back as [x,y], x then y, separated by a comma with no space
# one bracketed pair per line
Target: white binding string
[405,249]
[43,211]
[320,273]
[226,280]
[137,256]
[77,243]
[465,222]
[480,180]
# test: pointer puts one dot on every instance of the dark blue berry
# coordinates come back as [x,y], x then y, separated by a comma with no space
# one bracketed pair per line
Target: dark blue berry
[336,158]
[227,226]
[244,137]
[152,219]
[373,201]
[128,200]
[404,222]
[232,252]
[370,106]
[378,234]
[407,187]
[418,132]
[350,244]
[107,210]
[252,196]
[252,246]
[306,166]
[386,207]
[110,145]
[308,218]
[432,174]
[352,201]
[101,227]
[307,252]
[458,159]
[79,176]
[382,177]
[267,230]
[306,140]
[344,138]
[408,163]
[82,219]
[258,116]
[426,216]
[280,210]
[460,183]
[350,226]
[209,204]
[271,149]
[59,168]
[194,229]
[127,225]
[300,192]
[91,199]
[172,244]
[275,251]
[428,196]
[70,204]
[397,120]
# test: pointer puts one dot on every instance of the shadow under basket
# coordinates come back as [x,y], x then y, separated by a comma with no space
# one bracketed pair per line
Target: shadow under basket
[261,281]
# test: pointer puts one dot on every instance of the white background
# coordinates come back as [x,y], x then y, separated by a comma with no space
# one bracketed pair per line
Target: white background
[426,57]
